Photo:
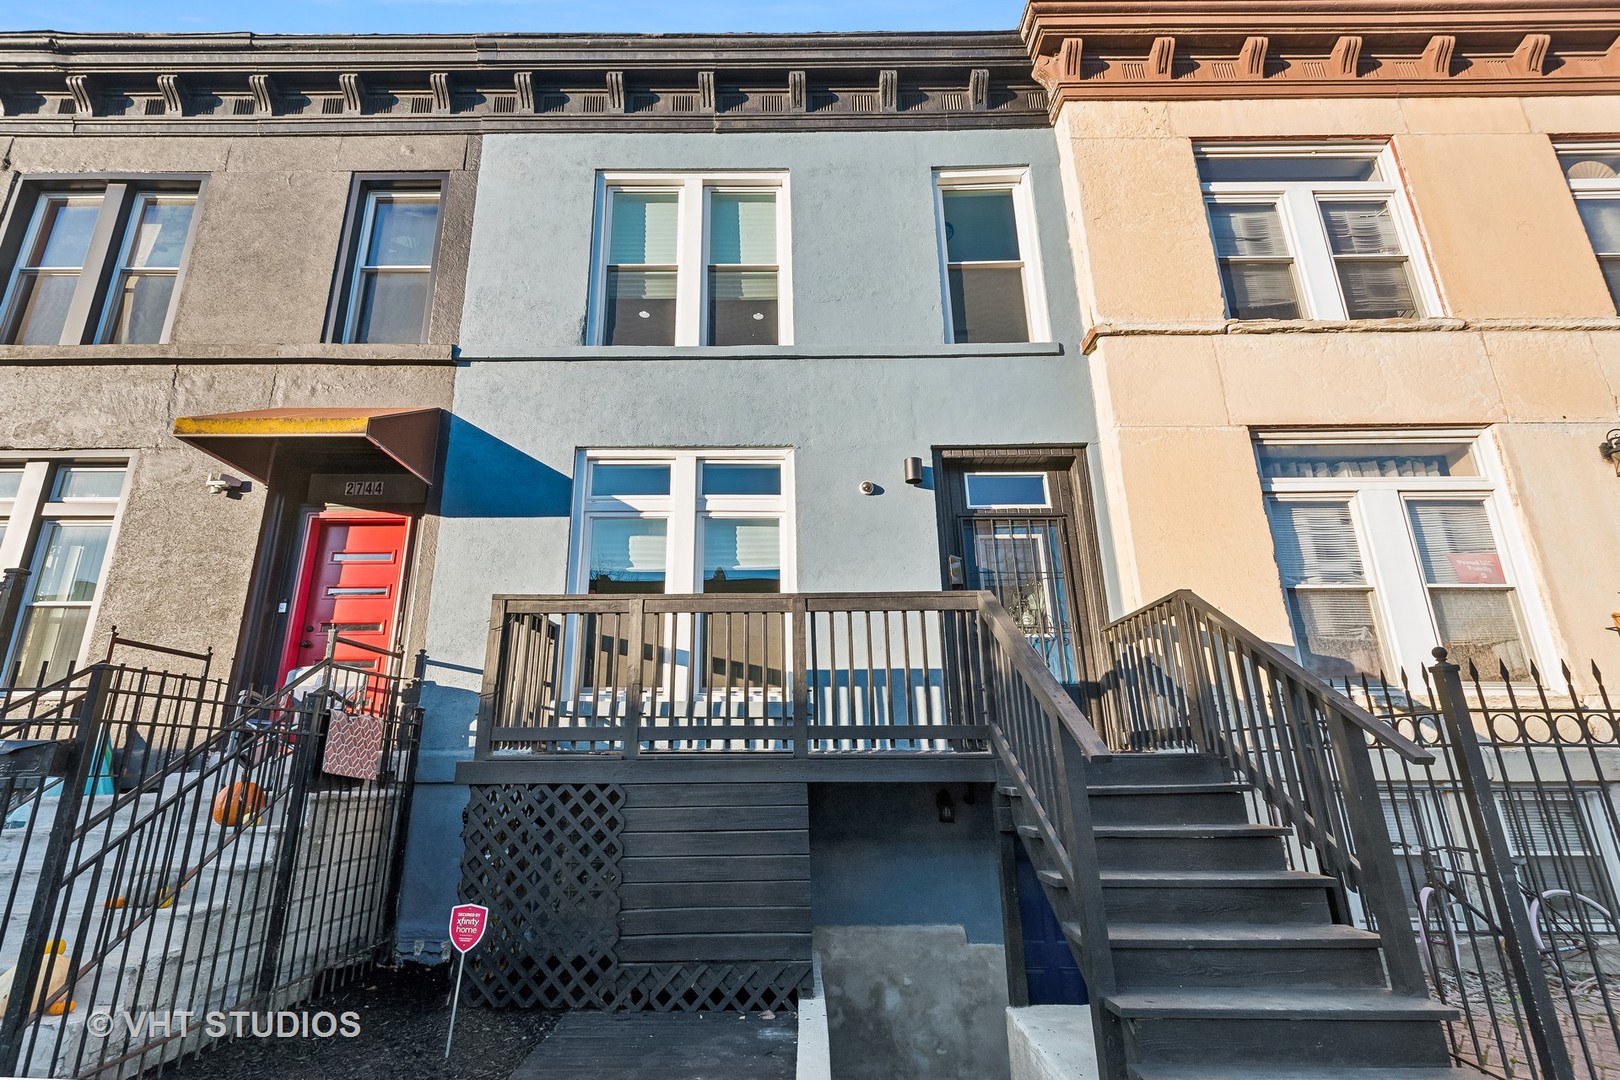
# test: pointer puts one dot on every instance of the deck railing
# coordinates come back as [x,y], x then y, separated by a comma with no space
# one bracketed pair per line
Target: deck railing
[789,675]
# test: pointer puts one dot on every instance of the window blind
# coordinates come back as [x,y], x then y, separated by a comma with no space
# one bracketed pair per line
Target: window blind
[1447,533]
[1248,231]
[1316,543]
[628,545]
[1256,270]
[742,228]
[751,545]
[645,225]
[1602,220]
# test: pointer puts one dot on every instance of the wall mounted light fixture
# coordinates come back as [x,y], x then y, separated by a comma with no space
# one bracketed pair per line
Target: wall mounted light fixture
[1610,449]
[914,471]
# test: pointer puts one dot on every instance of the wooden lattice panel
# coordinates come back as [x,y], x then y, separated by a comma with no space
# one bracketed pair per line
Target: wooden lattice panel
[544,858]
[713,987]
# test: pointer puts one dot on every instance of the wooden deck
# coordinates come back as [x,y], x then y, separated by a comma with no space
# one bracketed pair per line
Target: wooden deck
[665,1046]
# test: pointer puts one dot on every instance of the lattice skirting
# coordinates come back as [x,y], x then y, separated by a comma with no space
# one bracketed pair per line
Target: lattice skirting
[713,987]
[545,860]
[548,862]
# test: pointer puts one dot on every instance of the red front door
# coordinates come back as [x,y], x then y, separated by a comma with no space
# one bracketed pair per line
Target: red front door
[353,568]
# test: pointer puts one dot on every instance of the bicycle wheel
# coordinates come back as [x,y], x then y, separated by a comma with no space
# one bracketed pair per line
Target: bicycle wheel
[1438,947]
[1569,924]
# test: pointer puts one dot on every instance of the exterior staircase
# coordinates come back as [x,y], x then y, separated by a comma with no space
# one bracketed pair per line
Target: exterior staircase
[1228,965]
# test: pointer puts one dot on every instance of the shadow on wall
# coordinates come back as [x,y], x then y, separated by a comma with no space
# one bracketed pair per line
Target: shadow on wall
[486,477]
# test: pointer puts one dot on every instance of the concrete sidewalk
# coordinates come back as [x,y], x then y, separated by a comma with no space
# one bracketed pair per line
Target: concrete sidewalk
[664,1046]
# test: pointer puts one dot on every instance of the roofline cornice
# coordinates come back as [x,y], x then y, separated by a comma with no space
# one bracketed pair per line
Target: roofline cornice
[216,82]
[1169,49]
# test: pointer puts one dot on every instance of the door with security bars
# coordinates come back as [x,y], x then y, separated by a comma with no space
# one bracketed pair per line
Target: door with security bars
[1010,528]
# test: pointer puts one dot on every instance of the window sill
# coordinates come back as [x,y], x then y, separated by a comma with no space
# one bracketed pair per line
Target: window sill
[247,353]
[771,352]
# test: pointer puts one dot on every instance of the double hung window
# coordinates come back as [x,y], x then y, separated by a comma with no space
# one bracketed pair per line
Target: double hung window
[1313,234]
[992,288]
[1594,178]
[56,521]
[386,292]
[693,260]
[97,263]
[683,522]
[1388,549]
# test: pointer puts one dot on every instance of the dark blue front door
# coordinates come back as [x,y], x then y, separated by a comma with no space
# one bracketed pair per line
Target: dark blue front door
[1051,970]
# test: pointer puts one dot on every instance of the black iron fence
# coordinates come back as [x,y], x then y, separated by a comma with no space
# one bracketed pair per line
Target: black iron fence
[1471,816]
[171,848]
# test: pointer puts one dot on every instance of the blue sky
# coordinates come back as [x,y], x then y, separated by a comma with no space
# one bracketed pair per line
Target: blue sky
[483,16]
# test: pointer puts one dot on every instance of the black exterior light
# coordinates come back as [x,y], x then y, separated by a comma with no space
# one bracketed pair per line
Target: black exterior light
[914,470]
[947,808]
[1609,448]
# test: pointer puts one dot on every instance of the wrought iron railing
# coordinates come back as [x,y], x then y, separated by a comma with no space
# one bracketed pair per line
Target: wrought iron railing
[177,848]
[1510,849]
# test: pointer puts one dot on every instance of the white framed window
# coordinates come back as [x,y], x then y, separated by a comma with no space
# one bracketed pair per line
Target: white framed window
[57,519]
[1593,173]
[684,521]
[1313,233]
[130,239]
[389,292]
[1388,546]
[692,259]
[989,261]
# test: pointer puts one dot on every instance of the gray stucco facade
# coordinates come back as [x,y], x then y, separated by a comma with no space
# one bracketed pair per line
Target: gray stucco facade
[867,383]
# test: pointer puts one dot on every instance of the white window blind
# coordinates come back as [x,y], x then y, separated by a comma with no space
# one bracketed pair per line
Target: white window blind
[628,554]
[1469,591]
[1256,266]
[742,555]
[1320,560]
[1373,273]
[743,270]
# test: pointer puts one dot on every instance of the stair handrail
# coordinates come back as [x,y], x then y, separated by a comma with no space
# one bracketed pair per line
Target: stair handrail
[1040,679]
[1387,736]
[1306,750]
[1044,744]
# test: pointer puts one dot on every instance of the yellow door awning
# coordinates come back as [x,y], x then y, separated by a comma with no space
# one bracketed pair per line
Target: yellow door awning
[250,441]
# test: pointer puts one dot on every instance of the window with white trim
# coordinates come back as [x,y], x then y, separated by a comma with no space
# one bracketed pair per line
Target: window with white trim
[1594,179]
[1389,548]
[387,290]
[97,262]
[684,522]
[988,258]
[692,260]
[1313,233]
[56,520]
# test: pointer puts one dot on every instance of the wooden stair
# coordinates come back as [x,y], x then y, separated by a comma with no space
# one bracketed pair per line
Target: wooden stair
[1227,963]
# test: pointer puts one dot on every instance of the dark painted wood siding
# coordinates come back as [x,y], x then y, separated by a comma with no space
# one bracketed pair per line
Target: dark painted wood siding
[715,873]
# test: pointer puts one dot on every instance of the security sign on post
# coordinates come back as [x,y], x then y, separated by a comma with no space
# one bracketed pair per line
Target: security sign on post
[467,925]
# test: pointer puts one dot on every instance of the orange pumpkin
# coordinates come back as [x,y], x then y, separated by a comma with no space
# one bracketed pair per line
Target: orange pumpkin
[239,805]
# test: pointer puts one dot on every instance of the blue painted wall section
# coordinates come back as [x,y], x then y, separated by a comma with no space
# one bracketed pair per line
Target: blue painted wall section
[880,856]
[867,383]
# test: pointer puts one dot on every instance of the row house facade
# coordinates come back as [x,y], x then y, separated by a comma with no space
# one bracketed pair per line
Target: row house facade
[755,442]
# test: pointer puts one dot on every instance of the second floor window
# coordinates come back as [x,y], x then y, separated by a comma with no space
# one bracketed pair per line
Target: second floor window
[387,290]
[1322,234]
[97,264]
[991,293]
[1594,177]
[692,260]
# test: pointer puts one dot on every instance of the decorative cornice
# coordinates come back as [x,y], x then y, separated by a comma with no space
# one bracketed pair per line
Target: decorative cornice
[219,82]
[1167,49]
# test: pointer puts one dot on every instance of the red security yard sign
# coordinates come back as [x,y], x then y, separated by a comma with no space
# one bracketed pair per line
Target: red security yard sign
[467,925]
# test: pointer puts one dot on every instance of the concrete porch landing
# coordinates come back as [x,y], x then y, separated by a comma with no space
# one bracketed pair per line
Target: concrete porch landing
[664,1046]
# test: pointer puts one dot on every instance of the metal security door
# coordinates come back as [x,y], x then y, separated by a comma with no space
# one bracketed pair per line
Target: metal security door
[1011,530]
